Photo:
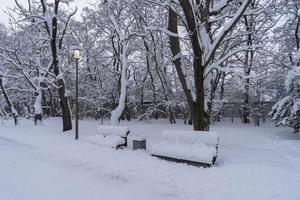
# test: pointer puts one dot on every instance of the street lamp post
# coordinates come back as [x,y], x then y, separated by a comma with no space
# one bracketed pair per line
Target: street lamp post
[76,56]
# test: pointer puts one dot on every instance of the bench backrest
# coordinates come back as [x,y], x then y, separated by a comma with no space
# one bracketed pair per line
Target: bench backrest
[113,130]
[190,137]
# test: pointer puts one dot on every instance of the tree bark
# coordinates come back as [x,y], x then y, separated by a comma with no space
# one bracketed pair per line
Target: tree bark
[247,67]
[65,109]
[11,107]
[196,105]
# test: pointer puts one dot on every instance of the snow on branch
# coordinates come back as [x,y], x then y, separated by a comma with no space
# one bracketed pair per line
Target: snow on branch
[169,33]
[228,27]
[215,65]
[217,6]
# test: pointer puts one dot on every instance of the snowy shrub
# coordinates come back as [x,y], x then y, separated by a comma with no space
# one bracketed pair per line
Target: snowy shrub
[286,112]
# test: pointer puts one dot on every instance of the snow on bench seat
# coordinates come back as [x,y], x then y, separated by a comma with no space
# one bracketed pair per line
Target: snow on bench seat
[108,141]
[111,136]
[113,130]
[193,147]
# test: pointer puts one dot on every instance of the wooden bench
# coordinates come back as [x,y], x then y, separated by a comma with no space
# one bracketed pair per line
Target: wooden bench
[196,148]
[111,136]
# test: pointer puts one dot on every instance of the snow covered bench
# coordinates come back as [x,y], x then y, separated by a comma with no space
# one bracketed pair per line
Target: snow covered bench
[111,136]
[192,147]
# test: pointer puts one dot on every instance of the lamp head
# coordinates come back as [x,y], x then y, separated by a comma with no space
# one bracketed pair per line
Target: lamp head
[76,54]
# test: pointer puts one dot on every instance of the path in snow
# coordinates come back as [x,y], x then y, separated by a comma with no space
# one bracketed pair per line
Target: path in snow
[27,174]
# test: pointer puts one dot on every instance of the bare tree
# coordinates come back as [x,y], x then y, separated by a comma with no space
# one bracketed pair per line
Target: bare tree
[207,26]
[52,21]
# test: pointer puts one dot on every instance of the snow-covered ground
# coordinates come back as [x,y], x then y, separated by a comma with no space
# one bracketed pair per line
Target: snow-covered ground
[41,162]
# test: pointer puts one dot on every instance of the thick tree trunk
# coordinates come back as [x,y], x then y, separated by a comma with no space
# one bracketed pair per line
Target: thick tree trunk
[118,111]
[198,118]
[196,105]
[64,104]
[65,109]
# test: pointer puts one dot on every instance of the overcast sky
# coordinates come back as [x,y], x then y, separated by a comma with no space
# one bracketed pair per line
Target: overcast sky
[10,3]
[3,6]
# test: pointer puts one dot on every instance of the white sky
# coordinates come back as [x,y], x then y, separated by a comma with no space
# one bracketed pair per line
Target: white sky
[4,4]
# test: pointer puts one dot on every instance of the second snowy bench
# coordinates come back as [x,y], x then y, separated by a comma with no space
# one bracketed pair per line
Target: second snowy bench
[111,136]
[197,148]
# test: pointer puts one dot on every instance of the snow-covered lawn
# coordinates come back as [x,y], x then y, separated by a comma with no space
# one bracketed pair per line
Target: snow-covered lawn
[41,163]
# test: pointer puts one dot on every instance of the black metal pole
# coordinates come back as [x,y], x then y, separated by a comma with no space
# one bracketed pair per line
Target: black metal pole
[76,114]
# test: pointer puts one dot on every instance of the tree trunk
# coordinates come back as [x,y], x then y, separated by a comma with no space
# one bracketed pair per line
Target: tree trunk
[117,112]
[38,112]
[221,94]
[247,67]
[11,107]
[246,102]
[51,102]
[196,104]
[64,104]
[65,109]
